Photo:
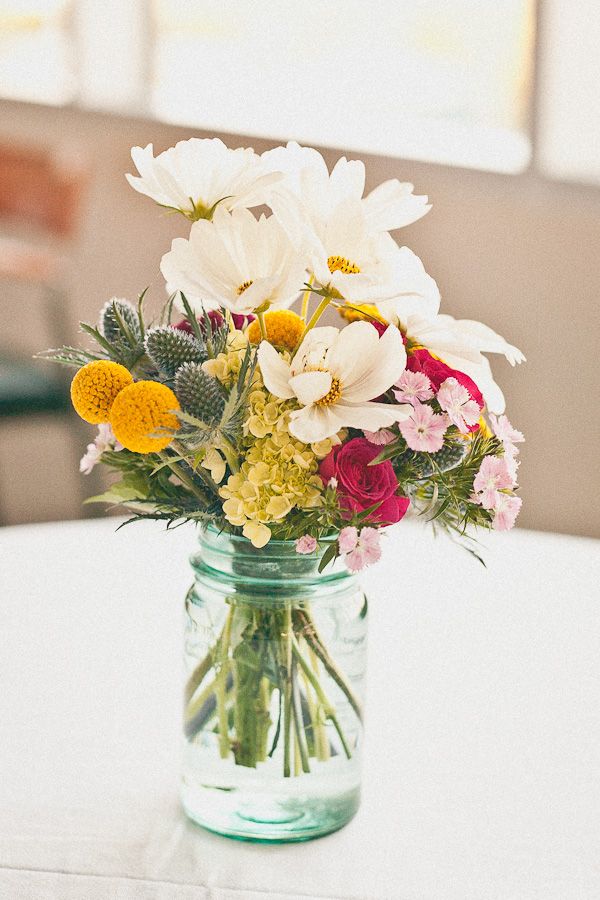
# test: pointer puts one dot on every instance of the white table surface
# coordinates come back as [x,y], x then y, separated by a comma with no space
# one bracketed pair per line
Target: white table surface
[483,753]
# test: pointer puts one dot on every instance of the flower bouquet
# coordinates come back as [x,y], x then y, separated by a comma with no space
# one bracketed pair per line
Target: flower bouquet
[293,444]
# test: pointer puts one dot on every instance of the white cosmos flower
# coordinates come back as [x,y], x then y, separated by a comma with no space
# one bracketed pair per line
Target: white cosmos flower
[348,260]
[391,205]
[195,175]
[236,261]
[460,343]
[334,375]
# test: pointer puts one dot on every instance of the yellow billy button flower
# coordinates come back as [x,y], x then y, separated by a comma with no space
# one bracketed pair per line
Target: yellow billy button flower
[94,388]
[141,411]
[284,329]
[363,311]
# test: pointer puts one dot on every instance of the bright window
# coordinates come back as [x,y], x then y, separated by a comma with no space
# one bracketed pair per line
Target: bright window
[448,81]
[36,51]
[442,81]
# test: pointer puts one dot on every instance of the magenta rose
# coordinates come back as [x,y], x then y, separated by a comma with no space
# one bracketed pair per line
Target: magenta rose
[360,485]
[437,372]
[240,322]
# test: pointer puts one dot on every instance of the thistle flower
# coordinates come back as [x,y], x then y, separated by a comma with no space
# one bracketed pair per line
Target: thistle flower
[170,348]
[199,393]
[109,323]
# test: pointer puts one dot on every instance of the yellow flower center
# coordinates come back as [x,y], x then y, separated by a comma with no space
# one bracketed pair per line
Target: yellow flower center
[333,394]
[341,264]
[244,287]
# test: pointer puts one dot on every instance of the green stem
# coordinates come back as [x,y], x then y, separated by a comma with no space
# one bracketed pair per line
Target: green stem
[220,687]
[199,471]
[184,477]
[198,676]
[301,747]
[315,316]
[327,707]
[229,453]
[287,696]
[305,299]
[263,326]
[309,632]
[321,741]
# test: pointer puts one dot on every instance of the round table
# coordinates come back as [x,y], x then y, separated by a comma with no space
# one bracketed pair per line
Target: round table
[483,726]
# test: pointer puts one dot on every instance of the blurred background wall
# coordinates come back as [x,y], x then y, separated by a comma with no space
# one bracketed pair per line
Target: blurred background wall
[493,115]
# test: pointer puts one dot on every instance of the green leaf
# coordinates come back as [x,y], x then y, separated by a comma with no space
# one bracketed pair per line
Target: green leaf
[330,554]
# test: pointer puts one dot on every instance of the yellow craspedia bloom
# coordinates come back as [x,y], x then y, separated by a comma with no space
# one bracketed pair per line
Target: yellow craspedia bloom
[360,313]
[484,428]
[284,329]
[94,388]
[141,410]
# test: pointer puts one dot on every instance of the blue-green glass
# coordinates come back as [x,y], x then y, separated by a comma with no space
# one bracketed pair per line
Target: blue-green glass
[275,656]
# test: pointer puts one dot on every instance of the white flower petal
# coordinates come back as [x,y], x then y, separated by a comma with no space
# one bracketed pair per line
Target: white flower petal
[275,371]
[312,352]
[315,423]
[237,261]
[347,179]
[393,205]
[371,416]
[377,367]
[202,172]
[310,386]
[353,352]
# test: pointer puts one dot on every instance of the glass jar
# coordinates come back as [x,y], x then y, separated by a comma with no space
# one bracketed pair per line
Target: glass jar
[275,656]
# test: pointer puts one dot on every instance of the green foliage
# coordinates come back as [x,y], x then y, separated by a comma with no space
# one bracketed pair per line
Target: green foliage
[69,356]
[146,486]
[169,348]
[199,393]
[444,497]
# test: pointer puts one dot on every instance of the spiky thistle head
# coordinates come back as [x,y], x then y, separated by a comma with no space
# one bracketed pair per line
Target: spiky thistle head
[110,326]
[199,393]
[169,348]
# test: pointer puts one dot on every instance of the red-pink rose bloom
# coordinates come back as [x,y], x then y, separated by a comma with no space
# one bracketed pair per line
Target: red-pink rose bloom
[437,372]
[240,322]
[359,485]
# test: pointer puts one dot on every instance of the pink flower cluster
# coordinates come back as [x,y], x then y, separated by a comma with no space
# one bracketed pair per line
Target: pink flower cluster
[497,476]
[105,440]
[458,396]
[360,548]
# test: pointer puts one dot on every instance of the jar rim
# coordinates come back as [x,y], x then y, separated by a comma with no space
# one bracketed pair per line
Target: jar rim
[239,538]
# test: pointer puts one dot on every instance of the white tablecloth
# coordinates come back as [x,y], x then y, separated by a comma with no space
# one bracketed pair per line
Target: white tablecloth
[483,751]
